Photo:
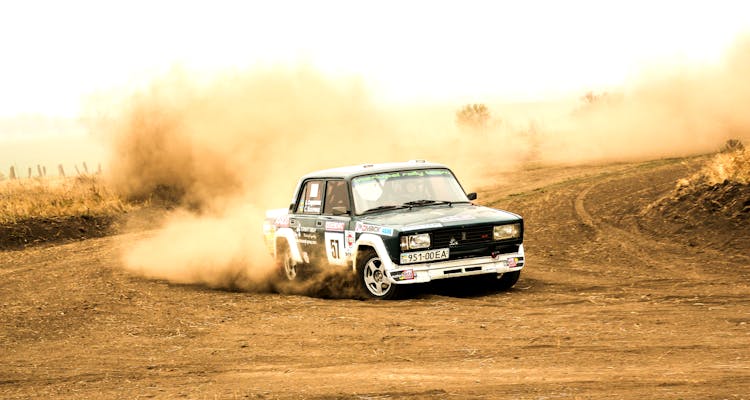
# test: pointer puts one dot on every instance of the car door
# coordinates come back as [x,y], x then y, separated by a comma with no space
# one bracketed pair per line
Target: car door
[307,220]
[338,239]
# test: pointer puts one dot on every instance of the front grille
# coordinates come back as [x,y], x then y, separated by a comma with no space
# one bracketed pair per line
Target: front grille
[470,242]
[462,237]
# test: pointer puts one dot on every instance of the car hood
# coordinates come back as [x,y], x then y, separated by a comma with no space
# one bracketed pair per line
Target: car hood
[437,216]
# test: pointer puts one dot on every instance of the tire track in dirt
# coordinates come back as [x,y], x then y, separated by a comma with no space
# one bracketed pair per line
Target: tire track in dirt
[585,231]
[581,212]
[629,239]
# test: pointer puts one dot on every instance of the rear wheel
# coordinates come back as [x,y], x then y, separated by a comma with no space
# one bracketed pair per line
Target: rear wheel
[287,268]
[373,278]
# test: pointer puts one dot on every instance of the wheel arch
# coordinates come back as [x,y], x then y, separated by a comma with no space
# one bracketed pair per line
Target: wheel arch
[290,238]
[373,242]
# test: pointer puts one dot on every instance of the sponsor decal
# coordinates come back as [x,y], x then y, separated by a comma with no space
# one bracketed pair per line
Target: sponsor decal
[335,226]
[402,174]
[378,177]
[422,227]
[350,237]
[403,275]
[367,228]
[314,191]
[413,173]
[282,221]
[456,218]
[311,209]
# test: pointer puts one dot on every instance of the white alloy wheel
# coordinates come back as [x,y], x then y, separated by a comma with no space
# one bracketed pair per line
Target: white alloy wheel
[373,276]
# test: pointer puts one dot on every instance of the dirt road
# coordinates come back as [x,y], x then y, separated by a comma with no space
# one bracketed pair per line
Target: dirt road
[609,306]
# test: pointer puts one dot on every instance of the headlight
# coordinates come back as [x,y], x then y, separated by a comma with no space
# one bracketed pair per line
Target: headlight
[503,232]
[421,241]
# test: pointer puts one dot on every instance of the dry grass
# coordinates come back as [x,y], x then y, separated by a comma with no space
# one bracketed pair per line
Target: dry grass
[47,198]
[732,166]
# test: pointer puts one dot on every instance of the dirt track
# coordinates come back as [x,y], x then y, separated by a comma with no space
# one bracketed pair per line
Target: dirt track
[608,307]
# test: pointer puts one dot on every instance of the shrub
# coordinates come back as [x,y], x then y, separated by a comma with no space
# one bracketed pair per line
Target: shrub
[474,117]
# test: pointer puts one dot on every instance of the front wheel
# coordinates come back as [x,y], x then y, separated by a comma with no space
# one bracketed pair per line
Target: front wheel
[372,277]
[507,280]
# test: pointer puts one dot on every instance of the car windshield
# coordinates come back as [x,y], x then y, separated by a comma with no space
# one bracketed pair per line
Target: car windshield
[392,190]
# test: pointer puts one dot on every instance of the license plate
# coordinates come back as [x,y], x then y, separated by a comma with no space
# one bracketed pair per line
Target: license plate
[425,256]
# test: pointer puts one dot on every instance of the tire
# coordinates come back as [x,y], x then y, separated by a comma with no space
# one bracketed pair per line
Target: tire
[287,268]
[507,280]
[372,277]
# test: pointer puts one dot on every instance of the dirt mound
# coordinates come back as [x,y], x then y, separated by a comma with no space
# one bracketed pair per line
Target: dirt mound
[729,201]
[712,205]
[720,190]
[49,230]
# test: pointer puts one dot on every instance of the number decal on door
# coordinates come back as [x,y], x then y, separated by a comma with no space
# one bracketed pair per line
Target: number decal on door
[334,243]
[335,253]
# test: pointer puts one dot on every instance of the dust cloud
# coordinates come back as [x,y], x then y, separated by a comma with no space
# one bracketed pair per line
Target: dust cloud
[666,112]
[218,251]
[229,146]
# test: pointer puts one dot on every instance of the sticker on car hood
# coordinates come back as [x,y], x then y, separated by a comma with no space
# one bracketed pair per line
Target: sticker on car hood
[423,226]
[456,218]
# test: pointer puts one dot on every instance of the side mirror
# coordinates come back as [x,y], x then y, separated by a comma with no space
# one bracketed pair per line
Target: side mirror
[339,210]
[291,208]
[471,196]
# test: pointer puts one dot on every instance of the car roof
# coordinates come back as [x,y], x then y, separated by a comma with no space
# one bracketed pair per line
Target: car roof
[367,169]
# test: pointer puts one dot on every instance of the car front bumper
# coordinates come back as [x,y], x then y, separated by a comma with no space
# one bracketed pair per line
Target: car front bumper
[426,272]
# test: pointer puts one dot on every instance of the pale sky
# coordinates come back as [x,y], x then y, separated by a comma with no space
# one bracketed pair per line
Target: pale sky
[54,53]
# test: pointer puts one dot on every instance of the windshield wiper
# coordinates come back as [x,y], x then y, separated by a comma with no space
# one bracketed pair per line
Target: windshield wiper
[427,202]
[381,208]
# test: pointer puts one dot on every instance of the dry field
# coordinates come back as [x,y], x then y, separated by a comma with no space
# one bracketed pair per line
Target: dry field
[623,298]
[44,210]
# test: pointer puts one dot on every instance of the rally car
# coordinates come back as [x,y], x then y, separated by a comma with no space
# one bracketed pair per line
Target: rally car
[393,225]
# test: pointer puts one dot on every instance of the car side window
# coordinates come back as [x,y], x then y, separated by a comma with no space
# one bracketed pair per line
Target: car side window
[337,195]
[311,200]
